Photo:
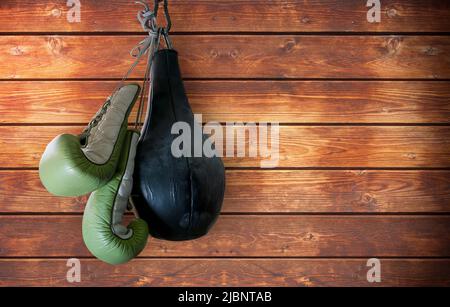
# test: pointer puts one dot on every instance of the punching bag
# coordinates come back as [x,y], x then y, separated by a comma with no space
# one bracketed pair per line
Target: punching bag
[179,197]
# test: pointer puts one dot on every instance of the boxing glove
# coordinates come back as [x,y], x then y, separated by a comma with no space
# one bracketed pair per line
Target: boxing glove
[179,197]
[74,165]
[103,232]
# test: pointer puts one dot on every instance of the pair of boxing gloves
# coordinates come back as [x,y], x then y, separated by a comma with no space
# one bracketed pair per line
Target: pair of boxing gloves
[101,161]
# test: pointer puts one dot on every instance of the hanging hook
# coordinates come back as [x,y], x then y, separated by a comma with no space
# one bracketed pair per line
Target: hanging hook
[156,6]
[166,13]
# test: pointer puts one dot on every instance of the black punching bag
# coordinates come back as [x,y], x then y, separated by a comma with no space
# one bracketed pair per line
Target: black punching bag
[179,197]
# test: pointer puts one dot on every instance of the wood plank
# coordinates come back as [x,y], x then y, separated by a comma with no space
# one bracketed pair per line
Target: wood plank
[30,102]
[299,146]
[337,191]
[231,56]
[226,272]
[249,191]
[250,236]
[231,16]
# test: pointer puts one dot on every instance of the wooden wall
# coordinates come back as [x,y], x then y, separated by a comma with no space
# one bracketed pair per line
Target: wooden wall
[364,139]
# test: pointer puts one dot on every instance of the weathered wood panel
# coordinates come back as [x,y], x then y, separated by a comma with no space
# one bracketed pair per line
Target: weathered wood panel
[243,73]
[226,272]
[282,101]
[250,236]
[319,146]
[231,16]
[232,56]
[337,191]
[259,191]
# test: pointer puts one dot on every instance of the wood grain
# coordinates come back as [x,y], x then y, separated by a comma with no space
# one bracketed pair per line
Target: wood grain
[337,191]
[231,16]
[226,272]
[232,56]
[250,236]
[310,146]
[260,191]
[30,102]
[305,64]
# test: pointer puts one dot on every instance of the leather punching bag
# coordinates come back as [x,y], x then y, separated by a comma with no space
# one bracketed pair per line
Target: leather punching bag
[179,197]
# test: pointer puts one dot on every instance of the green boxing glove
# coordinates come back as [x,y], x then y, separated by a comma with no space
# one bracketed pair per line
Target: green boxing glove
[103,232]
[76,165]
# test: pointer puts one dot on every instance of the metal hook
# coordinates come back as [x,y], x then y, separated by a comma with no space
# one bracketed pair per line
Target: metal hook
[166,13]
[156,6]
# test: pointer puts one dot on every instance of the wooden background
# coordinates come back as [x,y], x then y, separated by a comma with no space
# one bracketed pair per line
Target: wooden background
[364,139]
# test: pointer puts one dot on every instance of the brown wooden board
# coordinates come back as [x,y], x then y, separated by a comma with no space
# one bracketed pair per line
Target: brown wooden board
[30,102]
[226,272]
[232,56]
[310,146]
[230,16]
[267,191]
[250,236]
[364,139]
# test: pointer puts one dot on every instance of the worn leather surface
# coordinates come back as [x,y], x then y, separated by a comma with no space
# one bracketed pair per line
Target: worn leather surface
[103,232]
[180,198]
[103,136]
[65,168]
